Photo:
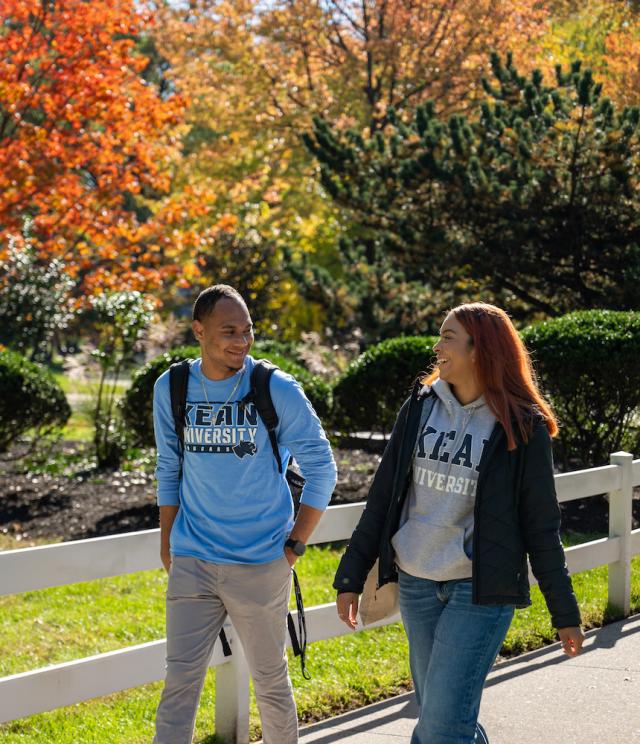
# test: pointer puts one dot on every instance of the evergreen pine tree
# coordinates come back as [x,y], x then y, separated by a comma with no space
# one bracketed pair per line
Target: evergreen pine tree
[531,199]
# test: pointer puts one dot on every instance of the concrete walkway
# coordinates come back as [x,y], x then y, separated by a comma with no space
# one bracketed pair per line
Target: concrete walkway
[541,697]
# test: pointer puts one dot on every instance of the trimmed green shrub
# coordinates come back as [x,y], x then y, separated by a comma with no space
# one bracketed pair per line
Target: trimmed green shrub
[587,364]
[137,404]
[31,399]
[369,394]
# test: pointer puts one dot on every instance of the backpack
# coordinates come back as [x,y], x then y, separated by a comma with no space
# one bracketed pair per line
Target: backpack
[260,395]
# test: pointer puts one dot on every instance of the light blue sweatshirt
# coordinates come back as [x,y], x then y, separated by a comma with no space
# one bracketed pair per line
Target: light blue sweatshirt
[234,505]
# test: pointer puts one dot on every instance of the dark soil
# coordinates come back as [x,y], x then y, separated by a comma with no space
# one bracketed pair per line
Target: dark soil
[82,503]
[77,502]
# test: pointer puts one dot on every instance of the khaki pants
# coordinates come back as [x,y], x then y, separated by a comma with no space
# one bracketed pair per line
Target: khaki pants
[199,596]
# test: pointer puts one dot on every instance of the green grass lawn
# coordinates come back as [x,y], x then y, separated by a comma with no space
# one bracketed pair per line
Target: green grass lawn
[88,386]
[79,427]
[82,394]
[56,625]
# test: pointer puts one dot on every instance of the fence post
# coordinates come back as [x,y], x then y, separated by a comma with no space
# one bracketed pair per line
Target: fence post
[232,694]
[620,524]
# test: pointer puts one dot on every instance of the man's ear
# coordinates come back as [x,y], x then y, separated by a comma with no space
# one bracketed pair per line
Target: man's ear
[198,329]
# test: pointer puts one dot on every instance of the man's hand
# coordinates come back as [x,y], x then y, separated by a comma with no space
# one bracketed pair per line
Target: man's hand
[290,556]
[305,523]
[347,606]
[165,557]
[572,640]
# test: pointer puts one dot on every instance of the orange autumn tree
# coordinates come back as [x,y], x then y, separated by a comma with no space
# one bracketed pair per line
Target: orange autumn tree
[605,36]
[357,58]
[270,62]
[82,135]
[258,72]
[623,52]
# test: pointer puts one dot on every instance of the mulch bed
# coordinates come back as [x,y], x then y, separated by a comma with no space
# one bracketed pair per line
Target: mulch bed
[85,503]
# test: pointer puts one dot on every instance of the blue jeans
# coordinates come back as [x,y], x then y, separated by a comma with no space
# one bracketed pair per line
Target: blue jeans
[452,646]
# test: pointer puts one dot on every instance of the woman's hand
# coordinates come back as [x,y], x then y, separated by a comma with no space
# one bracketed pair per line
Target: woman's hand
[572,640]
[347,606]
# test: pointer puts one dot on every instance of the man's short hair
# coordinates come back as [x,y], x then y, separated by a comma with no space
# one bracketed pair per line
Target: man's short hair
[207,299]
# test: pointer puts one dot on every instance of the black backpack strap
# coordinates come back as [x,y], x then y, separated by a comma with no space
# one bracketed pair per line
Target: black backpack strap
[178,383]
[299,638]
[261,396]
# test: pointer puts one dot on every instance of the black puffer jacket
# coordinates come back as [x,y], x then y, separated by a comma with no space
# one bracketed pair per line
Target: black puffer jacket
[516,514]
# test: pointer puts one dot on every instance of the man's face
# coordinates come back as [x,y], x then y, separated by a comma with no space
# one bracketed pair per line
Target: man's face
[225,337]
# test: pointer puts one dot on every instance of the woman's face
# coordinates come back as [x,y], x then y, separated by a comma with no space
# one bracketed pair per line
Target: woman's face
[454,352]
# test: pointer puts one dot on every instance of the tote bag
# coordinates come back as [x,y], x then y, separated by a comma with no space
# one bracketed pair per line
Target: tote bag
[377,603]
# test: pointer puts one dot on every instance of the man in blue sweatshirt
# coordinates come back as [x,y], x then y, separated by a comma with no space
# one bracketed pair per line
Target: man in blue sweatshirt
[228,537]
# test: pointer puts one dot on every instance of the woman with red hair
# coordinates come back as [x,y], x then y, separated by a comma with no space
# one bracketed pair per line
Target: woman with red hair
[464,493]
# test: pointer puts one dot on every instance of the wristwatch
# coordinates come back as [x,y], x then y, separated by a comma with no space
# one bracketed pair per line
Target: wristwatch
[297,546]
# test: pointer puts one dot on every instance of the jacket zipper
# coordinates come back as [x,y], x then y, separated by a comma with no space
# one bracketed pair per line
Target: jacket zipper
[484,459]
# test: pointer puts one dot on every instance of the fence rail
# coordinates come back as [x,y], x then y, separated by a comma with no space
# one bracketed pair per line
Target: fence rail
[46,566]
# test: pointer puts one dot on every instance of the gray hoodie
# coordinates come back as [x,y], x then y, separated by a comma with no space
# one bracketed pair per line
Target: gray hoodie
[435,536]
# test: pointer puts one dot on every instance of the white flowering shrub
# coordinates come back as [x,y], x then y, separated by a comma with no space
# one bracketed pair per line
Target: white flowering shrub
[35,299]
[120,320]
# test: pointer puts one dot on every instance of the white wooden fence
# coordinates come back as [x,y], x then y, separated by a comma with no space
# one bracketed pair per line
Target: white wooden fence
[67,563]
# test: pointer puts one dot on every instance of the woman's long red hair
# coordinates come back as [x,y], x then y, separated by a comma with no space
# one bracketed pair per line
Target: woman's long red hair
[504,370]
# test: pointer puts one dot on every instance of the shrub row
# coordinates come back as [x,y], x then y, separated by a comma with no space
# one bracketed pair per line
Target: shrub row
[586,363]
[371,390]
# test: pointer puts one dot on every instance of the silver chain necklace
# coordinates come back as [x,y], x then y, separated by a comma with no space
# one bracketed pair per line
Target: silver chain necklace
[236,386]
